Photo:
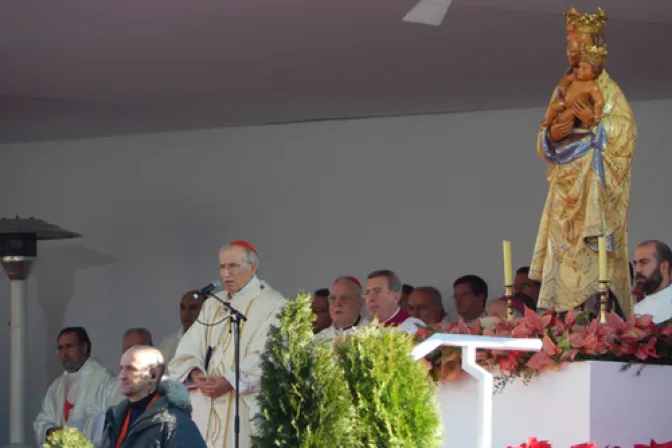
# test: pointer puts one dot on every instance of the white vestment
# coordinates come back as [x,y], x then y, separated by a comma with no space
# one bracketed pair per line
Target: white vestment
[329,334]
[658,304]
[168,346]
[89,392]
[215,417]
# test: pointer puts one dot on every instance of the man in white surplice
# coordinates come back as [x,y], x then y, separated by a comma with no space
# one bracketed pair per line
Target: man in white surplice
[80,396]
[653,275]
[204,360]
[189,311]
[345,307]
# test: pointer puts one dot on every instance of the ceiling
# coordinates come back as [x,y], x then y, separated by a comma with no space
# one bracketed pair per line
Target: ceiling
[87,68]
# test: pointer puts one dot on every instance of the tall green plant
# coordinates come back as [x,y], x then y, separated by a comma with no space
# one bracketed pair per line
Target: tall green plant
[395,403]
[304,400]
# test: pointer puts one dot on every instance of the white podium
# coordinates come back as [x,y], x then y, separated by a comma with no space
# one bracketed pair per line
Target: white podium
[481,437]
[582,402]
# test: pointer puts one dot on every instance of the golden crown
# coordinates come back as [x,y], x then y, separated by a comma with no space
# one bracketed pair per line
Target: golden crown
[586,23]
[594,55]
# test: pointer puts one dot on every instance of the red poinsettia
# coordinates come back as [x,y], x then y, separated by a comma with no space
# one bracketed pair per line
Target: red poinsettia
[566,338]
[532,442]
[655,445]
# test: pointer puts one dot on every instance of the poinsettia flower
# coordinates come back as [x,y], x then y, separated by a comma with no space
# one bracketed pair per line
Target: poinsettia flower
[543,358]
[585,445]
[644,321]
[532,442]
[508,362]
[424,332]
[646,350]
[653,444]
[532,324]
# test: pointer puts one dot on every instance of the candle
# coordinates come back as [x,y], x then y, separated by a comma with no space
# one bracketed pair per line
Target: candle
[602,256]
[508,266]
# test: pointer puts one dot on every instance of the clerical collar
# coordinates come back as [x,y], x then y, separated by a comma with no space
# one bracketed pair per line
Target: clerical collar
[254,279]
[393,316]
[142,404]
[359,317]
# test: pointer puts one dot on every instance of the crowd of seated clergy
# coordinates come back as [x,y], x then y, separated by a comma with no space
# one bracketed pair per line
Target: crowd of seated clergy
[86,389]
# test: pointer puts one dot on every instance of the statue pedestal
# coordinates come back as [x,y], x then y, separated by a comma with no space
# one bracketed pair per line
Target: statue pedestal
[582,402]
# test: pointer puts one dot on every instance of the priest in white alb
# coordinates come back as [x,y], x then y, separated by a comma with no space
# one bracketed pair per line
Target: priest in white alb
[205,360]
[81,395]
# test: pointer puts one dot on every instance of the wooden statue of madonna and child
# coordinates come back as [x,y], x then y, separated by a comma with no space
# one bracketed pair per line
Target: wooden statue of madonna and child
[588,138]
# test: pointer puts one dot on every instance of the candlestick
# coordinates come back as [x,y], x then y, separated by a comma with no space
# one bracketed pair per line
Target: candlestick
[508,293]
[508,266]
[602,257]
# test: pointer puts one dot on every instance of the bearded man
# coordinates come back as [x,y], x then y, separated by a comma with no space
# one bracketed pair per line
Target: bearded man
[653,273]
[79,397]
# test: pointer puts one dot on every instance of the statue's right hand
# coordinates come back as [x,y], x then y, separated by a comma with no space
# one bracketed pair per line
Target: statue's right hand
[561,130]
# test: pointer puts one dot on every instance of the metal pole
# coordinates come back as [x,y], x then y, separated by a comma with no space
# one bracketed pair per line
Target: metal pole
[17,362]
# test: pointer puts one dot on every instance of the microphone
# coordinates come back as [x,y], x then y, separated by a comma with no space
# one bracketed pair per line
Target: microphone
[204,291]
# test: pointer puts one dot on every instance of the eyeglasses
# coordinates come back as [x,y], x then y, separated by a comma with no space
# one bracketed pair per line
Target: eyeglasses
[320,311]
[375,292]
[231,267]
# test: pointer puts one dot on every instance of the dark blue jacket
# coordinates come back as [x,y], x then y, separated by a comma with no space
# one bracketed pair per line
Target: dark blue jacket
[165,424]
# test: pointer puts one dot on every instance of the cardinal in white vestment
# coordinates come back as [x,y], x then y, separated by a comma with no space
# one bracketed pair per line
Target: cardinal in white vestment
[345,307]
[205,360]
[80,396]
[190,308]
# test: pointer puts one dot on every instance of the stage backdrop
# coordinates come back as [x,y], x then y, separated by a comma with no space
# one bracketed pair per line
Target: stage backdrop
[431,197]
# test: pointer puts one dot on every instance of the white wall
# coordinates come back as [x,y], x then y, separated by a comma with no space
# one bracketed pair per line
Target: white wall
[431,197]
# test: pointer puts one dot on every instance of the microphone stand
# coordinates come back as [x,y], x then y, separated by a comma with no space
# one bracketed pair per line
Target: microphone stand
[236,318]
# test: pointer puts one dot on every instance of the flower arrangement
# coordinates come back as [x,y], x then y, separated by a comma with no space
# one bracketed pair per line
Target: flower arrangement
[567,337]
[532,442]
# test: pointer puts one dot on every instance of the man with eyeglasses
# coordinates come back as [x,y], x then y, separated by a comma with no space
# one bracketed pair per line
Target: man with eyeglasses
[80,396]
[345,307]
[204,360]
[320,308]
[382,294]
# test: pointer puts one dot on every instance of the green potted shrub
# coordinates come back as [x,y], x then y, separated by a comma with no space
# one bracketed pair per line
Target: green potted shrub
[304,401]
[395,403]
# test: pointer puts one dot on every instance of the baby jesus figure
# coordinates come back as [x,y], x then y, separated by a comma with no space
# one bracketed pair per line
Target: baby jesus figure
[579,86]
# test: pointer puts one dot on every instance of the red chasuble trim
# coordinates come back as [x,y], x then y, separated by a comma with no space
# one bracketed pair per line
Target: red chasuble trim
[67,407]
[397,319]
